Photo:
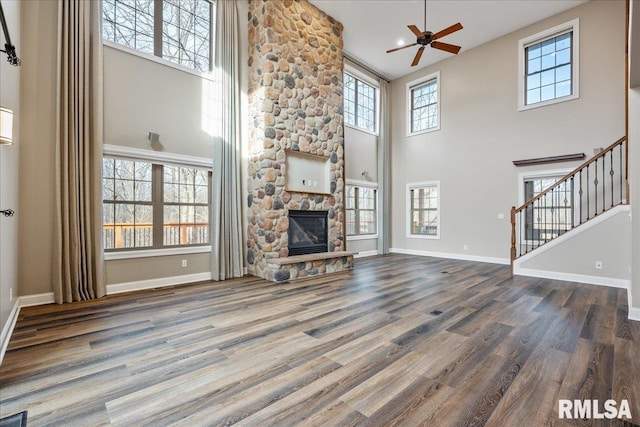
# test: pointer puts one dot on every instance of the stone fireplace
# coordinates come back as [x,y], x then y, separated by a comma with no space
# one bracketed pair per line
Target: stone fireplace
[296,144]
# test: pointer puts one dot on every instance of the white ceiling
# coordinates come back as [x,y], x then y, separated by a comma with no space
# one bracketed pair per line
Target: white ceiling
[374,26]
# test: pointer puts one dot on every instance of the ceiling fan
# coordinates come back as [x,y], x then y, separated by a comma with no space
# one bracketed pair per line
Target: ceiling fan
[427,38]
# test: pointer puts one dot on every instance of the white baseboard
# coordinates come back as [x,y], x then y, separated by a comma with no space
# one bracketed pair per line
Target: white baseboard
[36,299]
[8,328]
[572,277]
[365,254]
[140,285]
[634,314]
[448,255]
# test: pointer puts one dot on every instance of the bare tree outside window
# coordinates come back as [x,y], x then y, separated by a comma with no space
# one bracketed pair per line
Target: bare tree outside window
[182,36]
[136,217]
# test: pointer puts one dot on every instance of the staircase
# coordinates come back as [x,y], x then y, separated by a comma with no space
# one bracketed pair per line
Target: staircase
[596,186]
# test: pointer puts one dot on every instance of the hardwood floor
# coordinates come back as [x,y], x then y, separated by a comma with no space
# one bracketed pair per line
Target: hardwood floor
[401,340]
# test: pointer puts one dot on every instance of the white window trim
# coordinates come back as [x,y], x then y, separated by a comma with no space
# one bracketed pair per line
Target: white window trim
[574,26]
[359,75]
[157,156]
[148,253]
[410,187]
[374,185]
[165,159]
[412,84]
[158,60]
[523,176]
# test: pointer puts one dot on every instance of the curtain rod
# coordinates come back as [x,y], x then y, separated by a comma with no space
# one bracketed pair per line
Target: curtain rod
[365,67]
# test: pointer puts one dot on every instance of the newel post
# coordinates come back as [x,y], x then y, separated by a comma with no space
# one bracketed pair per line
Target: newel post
[513,237]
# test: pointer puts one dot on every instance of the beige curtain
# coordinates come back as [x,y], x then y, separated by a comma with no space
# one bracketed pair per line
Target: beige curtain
[78,260]
[227,242]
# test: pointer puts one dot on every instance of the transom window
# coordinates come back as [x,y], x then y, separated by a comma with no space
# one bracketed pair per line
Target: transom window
[176,30]
[360,210]
[360,103]
[423,100]
[549,66]
[423,202]
[152,206]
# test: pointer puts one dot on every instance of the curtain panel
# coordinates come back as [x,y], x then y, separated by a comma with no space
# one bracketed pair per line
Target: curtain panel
[78,257]
[227,241]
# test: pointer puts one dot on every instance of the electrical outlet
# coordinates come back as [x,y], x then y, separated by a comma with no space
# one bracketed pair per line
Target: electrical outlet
[599,265]
[10,294]
[500,216]
[184,263]
[466,247]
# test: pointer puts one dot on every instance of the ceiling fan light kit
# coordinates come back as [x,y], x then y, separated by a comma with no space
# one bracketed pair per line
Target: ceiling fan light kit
[428,38]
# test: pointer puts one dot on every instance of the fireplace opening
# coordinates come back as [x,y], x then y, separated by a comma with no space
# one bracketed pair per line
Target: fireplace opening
[308,232]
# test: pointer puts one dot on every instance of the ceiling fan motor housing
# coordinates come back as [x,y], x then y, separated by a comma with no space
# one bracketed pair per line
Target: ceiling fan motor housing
[427,38]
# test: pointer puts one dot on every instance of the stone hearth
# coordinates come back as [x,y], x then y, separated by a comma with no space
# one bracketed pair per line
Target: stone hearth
[295,103]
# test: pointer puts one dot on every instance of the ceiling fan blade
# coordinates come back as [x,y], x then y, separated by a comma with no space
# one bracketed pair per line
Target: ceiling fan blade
[447,31]
[401,47]
[417,57]
[415,30]
[446,47]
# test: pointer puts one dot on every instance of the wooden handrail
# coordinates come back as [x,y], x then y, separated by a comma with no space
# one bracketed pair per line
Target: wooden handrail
[571,174]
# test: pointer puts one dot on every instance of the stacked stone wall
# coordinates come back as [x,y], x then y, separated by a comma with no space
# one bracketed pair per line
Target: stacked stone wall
[295,103]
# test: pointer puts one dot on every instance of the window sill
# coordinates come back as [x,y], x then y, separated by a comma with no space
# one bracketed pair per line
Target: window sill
[361,129]
[362,237]
[149,253]
[434,129]
[423,236]
[546,103]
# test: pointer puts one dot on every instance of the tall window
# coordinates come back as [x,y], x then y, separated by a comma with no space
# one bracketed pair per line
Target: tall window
[360,103]
[361,210]
[548,63]
[423,202]
[423,100]
[176,30]
[147,205]
[552,214]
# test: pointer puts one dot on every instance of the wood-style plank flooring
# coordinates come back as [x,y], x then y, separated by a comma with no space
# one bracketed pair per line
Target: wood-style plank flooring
[401,340]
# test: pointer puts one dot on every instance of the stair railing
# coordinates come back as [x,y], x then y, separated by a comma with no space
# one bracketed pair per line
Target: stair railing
[594,187]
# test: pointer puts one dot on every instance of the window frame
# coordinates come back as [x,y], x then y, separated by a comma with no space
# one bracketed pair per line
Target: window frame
[542,174]
[163,158]
[409,210]
[158,45]
[414,84]
[369,185]
[360,77]
[570,26]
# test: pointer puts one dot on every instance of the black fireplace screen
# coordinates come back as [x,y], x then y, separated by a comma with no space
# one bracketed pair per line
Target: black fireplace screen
[307,232]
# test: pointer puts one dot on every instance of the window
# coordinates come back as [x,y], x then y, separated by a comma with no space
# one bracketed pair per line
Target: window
[552,214]
[549,66]
[360,103]
[361,210]
[182,34]
[423,202]
[423,98]
[152,206]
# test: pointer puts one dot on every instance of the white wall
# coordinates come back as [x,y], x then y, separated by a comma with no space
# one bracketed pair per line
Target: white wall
[575,257]
[142,95]
[9,163]
[145,95]
[482,131]
[634,156]
[360,155]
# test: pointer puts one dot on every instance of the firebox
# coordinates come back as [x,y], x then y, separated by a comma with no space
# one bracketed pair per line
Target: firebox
[308,232]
